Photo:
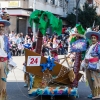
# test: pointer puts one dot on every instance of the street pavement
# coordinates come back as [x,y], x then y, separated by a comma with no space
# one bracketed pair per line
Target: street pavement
[17,91]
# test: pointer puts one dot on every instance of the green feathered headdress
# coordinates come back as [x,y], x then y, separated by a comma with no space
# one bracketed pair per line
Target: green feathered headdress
[80,29]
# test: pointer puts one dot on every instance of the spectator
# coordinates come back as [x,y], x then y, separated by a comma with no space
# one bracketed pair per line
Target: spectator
[61,48]
[20,49]
[14,39]
[27,37]
[54,54]
[33,46]
[55,44]
[18,39]
[14,49]
[22,38]
[11,35]
[27,45]
[30,35]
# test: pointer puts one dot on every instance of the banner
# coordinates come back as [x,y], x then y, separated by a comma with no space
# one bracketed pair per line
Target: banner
[13,4]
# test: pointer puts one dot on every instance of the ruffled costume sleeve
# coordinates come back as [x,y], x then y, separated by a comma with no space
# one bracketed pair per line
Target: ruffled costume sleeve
[98,52]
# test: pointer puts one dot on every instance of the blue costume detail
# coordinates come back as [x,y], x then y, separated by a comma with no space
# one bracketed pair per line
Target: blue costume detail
[56,91]
[49,64]
[31,80]
[4,79]
[79,45]
[27,46]
[6,47]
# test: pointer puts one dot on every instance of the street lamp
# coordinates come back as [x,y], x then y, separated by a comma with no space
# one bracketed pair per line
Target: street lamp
[77,3]
[34,7]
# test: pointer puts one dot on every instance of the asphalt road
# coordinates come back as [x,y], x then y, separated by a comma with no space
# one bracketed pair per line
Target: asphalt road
[16,90]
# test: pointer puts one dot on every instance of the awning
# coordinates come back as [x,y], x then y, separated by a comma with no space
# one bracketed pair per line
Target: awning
[19,12]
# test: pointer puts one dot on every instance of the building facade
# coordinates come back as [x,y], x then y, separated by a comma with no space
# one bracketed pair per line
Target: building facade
[95,3]
[72,5]
[20,11]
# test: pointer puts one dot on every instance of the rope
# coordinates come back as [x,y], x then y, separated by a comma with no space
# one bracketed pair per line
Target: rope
[22,91]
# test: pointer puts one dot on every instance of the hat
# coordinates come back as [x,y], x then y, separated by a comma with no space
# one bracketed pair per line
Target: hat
[5,22]
[73,31]
[88,30]
[4,17]
[78,30]
[88,34]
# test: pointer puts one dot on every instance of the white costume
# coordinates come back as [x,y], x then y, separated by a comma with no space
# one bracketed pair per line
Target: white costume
[93,77]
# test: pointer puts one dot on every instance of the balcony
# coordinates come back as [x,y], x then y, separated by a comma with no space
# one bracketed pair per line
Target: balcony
[55,6]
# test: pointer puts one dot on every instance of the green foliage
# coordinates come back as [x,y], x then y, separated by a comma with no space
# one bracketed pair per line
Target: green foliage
[97,20]
[71,19]
[86,16]
[46,19]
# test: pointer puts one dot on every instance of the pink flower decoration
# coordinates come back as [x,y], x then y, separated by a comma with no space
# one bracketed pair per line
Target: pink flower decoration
[60,91]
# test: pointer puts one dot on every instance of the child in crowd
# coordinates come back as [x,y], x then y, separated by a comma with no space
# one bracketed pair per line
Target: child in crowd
[14,49]
[20,48]
[27,45]
[54,54]
[33,46]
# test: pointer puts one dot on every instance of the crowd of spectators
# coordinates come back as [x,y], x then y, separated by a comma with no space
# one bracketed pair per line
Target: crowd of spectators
[18,42]
[55,42]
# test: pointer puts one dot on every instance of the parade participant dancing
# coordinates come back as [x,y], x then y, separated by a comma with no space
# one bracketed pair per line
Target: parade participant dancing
[76,41]
[92,64]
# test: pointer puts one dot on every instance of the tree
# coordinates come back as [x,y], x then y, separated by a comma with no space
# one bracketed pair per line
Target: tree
[44,19]
[86,17]
[97,21]
[71,19]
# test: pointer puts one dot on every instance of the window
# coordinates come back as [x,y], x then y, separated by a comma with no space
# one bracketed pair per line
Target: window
[53,2]
[45,0]
[61,3]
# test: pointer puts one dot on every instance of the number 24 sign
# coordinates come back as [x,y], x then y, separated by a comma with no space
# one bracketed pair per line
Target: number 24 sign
[33,60]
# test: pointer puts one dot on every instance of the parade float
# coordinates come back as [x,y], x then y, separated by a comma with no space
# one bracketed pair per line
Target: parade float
[49,77]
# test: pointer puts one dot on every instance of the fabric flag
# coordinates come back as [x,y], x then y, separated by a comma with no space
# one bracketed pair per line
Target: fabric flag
[80,29]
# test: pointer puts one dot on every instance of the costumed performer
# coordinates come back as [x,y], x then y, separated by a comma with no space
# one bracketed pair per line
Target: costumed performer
[6,62]
[78,46]
[27,76]
[91,63]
